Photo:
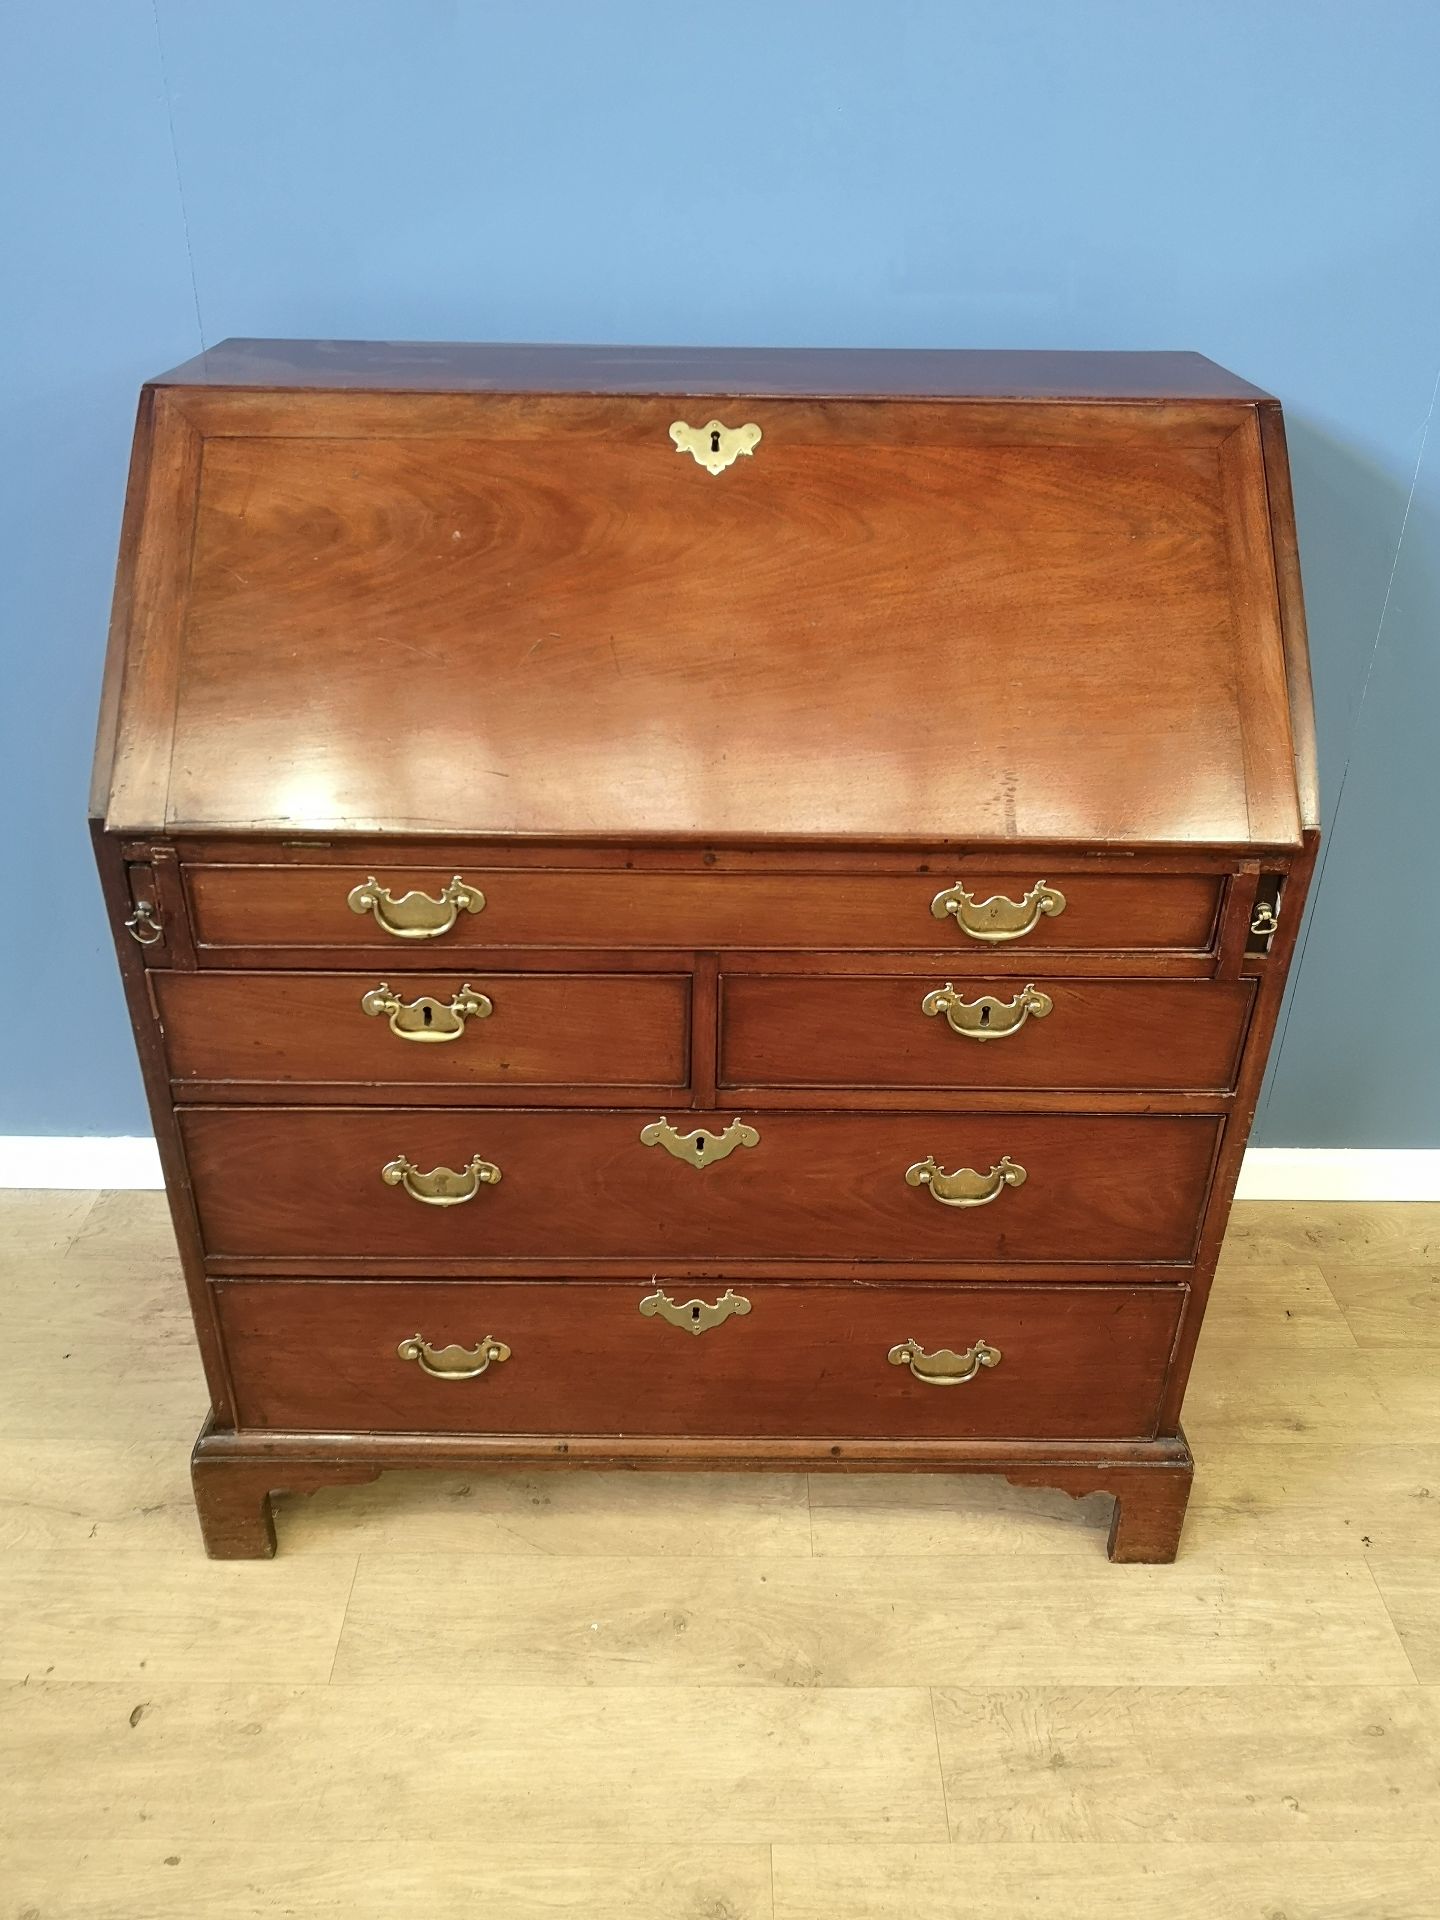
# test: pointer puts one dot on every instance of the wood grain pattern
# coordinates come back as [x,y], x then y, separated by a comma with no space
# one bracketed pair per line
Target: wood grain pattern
[290,908]
[799,1030]
[1079,557]
[818,1186]
[752,1623]
[711,745]
[586,1765]
[804,1361]
[1129,1880]
[79,1618]
[568,1031]
[522,367]
[1179,1762]
[1410,1587]
[369,1879]
[1295,1780]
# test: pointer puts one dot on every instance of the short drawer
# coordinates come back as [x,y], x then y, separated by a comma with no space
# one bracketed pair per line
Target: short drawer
[1044,1362]
[325,907]
[456,1030]
[852,1030]
[570,1185]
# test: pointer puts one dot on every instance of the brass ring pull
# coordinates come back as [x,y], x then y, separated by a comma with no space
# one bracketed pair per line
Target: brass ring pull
[715,446]
[695,1316]
[986,1018]
[416,916]
[453,1363]
[441,1187]
[700,1148]
[965,1187]
[997,918]
[944,1367]
[144,925]
[427,1019]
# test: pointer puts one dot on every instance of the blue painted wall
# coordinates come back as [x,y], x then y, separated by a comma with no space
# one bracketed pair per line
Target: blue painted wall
[1258,181]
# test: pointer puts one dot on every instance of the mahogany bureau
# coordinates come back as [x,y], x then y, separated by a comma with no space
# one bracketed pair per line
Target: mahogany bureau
[703,909]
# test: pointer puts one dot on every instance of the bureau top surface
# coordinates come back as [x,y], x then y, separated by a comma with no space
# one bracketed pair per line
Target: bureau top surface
[444,366]
[542,592]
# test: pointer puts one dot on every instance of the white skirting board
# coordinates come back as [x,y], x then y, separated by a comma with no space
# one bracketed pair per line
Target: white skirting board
[1269,1173]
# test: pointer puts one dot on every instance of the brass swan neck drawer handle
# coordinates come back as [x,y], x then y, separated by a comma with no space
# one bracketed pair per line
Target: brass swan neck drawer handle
[965,1187]
[427,1019]
[700,1148]
[715,446]
[441,1187]
[997,918]
[944,1367]
[694,1316]
[416,916]
[453,1363]
[987,1018]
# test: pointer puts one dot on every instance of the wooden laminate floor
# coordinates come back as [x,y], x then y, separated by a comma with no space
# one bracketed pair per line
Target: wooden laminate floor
[727,1698]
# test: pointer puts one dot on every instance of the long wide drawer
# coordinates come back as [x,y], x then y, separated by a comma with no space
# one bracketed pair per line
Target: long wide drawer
[855,1030]
[451,1029]
[468,1357]
[326,907]
[570,1185]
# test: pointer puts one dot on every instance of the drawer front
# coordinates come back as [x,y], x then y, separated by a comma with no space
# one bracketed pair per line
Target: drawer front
[796,1030]
[299,907]
[807,1186]
[537,1030]
[1073,1362]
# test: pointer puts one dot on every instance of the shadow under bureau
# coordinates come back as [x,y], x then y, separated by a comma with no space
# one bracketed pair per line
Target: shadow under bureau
[703,909]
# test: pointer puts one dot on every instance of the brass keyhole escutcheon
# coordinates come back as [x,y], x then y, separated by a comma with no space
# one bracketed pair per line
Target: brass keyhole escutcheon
[700,1149]
[426,1020]
[715,446]
[694,1316]
[987,1018]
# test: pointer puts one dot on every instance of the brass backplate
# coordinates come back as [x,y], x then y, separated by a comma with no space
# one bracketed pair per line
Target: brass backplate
[715,446]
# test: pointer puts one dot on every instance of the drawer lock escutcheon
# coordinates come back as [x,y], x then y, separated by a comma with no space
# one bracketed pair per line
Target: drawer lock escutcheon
[715,446]
[441,1187]
[944,1367]
[416,916]
[987,1018]
[965,1187]
[700,1149]
[453,1363]
[694,1316]
[426,1019]
[997,918]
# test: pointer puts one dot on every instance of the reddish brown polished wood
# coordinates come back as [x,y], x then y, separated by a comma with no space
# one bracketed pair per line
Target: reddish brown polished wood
[1030,559]
[436,366]
[1078,1362]
[291,909]
[568,1031]
[709,745]
[813,1030]
[818,1186]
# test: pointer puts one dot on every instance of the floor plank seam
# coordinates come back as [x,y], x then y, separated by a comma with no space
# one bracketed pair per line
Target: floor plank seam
[940,1764]
[1399,1636]
[344,1622]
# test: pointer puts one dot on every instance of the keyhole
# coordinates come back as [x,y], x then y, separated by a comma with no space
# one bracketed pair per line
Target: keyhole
[695,1311]
[984,1016]
[700,1146]
[715,440]
[427,1014]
